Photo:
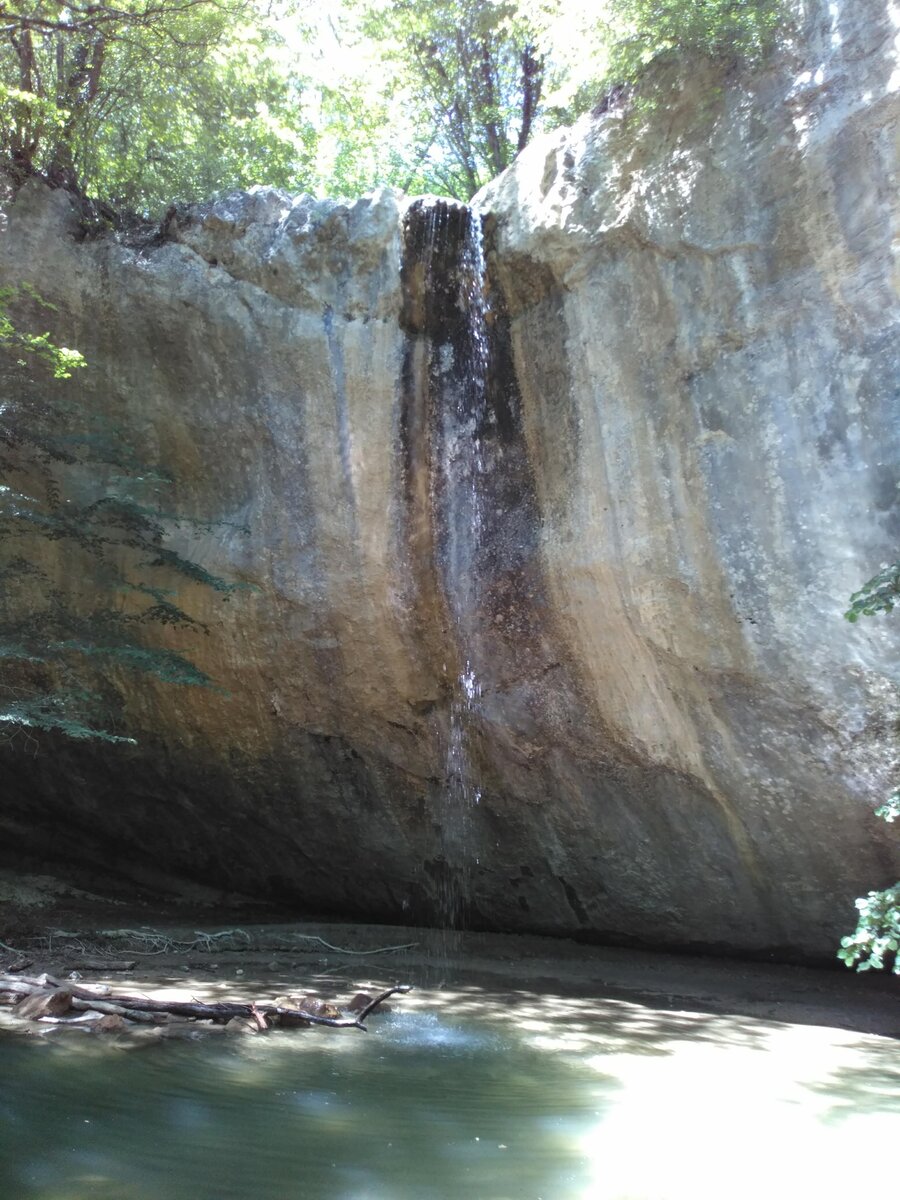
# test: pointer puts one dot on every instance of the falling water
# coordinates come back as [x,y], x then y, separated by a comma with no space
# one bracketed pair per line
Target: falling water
[461,795]
[463,420]
[446,418]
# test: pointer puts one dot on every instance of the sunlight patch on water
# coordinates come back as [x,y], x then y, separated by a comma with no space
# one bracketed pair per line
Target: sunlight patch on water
[774,1113]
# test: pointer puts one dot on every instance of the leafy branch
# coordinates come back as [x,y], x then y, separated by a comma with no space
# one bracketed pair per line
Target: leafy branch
[877,934]
[61,360]
[880,594]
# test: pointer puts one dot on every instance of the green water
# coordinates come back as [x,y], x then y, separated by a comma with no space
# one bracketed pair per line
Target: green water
[475,1095]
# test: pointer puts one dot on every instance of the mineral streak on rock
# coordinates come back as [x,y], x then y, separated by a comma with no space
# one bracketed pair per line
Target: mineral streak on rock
[690,457]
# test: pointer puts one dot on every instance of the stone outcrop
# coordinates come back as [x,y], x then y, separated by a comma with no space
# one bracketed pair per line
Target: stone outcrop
[620,487]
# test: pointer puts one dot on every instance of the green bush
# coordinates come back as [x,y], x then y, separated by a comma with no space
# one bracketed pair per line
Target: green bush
[877,934]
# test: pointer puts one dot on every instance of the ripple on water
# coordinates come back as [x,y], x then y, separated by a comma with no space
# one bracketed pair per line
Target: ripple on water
[422,1030]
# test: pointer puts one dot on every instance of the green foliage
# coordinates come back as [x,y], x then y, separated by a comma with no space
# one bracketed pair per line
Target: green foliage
[229,121]
[473,73]
[877,934]
[62,642]
[471,81]
[147,101]
[890,810]
[60,359]
[53,712]
[880,594]
[736,30]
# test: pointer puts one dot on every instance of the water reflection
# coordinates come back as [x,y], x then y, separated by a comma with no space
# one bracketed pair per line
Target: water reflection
[469,1093]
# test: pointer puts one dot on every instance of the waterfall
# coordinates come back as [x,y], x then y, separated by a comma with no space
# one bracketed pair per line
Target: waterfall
[447,303]
[464,418]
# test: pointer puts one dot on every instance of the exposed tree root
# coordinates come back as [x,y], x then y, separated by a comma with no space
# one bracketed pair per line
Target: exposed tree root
[150,942]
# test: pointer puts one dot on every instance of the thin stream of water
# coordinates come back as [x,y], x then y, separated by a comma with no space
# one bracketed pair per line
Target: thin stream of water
[464,468]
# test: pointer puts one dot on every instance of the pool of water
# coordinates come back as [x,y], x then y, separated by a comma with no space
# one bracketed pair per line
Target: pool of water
[475,1094]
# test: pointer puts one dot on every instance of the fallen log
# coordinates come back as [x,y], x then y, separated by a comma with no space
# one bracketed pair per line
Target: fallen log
[107,1008]
[46,996]
[45,1002]
[25,984]
[224,1011]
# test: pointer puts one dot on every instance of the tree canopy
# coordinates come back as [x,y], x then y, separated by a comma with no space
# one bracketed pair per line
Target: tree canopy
[474,74]
[144,102]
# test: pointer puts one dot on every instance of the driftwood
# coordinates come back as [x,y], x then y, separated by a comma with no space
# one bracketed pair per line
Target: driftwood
[23,985]
[108,1008]
[45,1002]
[44,997]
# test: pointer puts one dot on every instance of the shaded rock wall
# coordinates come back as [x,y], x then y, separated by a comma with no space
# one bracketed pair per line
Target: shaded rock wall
[636,533]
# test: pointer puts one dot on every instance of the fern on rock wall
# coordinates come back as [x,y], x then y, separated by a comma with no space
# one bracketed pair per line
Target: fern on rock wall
[85,572]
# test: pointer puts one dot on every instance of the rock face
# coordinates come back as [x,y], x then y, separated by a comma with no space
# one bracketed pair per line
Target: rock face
[549,534]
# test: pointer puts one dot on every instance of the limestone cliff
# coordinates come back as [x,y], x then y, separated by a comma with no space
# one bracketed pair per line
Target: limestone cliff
[631,536]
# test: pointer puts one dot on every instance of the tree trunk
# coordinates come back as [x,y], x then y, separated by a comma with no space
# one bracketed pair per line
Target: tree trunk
[532,83]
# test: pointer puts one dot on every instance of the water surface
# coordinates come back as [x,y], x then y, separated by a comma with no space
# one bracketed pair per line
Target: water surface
[473,1094]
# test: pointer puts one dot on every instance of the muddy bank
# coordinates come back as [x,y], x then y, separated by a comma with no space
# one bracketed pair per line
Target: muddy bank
[214,954]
